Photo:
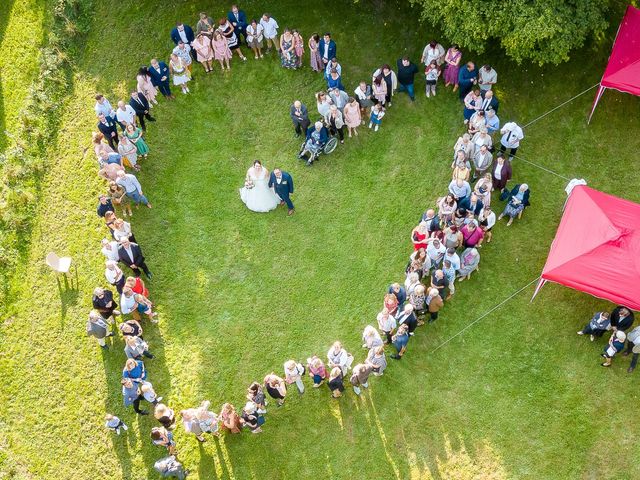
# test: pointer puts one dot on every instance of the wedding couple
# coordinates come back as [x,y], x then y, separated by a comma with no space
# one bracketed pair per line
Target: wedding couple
[263,192]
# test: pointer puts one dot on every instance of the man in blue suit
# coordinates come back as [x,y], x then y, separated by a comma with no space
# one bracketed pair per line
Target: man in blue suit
[327,48]
[282,184]
[238,19]
[467,78]
[184,33]
[160,77]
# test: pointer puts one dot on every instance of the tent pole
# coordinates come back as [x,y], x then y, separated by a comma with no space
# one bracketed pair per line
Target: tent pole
[601,90]
[538,287]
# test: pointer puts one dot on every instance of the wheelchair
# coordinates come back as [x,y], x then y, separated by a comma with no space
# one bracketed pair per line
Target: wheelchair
[330,145]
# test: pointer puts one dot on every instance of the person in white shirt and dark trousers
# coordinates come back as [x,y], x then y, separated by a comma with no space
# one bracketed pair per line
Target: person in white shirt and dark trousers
[511,136]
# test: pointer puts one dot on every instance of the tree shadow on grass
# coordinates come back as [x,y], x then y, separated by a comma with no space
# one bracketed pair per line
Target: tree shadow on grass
[5,9]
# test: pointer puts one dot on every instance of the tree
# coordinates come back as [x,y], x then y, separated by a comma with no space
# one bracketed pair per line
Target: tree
[541,31]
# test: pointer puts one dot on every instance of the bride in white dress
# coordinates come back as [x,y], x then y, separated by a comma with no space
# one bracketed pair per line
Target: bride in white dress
[256,194]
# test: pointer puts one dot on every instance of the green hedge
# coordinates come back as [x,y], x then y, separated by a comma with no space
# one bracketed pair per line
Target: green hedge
[25,159]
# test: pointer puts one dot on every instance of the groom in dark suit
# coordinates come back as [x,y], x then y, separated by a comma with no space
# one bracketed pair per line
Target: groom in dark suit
[282,184]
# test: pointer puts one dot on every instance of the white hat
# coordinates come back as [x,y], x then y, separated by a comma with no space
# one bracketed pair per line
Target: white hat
[318,125]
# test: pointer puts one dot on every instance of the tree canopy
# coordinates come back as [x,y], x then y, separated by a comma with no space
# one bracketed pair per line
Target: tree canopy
[541,31]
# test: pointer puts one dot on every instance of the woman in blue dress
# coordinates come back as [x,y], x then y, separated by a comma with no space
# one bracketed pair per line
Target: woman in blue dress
[400,341]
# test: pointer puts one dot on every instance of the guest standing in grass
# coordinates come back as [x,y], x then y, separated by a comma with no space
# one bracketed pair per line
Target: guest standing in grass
[180,73]
[400,341]
[228,32]
[204,50]
[256,395]
[317,371]
[377,360]
[371,338]
[360,377]
[616,345]
[134,134]
[276,388]
[452,59]
[352,116]
[229,418]
[293,373]
[596,327]
[163,438]
[221,50]
[255,38]
[336,382]
[317,65]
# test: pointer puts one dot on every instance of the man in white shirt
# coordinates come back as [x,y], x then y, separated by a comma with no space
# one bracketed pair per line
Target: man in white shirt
[487,219]
[487,77]
[114,274]
[270,31]
[435,251]
[126,114]
[511,136]
[104,106]
[453,257]
[433,51]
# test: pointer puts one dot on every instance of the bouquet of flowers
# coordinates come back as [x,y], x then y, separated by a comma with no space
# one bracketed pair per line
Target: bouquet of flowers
[248,184]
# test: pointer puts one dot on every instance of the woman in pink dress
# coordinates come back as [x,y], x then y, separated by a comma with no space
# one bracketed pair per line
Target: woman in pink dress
[221,49]
[204,51]
[298,46]
[452,59]
[352,116]
[146,87]
[316,58]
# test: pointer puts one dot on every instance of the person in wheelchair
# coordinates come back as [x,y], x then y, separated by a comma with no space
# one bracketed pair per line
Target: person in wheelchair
[317,138]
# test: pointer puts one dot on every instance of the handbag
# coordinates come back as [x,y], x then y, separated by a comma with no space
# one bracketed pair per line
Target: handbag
[504,194]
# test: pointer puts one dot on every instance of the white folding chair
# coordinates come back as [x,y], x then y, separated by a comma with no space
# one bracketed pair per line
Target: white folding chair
[58,264]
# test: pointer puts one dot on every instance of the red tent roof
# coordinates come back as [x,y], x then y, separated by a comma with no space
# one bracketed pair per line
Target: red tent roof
[623,69]
[597,247]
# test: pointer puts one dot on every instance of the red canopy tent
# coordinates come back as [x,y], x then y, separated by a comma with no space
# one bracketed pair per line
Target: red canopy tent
[623,69]
[597,248]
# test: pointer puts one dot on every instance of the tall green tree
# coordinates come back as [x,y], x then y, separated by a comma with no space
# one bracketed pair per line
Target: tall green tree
[541,31]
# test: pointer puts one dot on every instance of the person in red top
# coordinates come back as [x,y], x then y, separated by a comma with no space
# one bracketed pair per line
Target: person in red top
[472,235]
[137,285]
[419,236]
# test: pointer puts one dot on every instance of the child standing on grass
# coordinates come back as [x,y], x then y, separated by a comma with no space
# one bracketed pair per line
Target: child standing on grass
[377,112]
[114,424]
[431,74]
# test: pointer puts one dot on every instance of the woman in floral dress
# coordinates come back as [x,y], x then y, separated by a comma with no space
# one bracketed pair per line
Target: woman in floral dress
[315,57]
[287,51]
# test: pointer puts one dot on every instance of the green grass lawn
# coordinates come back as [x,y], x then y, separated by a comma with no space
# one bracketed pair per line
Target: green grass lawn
[518,395]
[21,36]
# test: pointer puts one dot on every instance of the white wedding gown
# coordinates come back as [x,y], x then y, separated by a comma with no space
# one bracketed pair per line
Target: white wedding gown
[260,198]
